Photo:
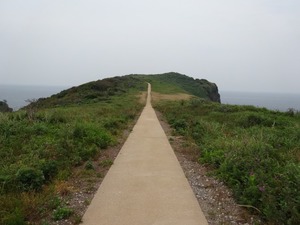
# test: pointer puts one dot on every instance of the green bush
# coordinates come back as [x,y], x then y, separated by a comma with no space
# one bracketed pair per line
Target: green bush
[89,165]
[114,124]
[91,134]
[49,169]
[106,163]
[61,213]
[14,218]
[180,125]
[57,117]
[30,178]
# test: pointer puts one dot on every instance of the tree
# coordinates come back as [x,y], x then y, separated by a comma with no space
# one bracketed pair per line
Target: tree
[4,107]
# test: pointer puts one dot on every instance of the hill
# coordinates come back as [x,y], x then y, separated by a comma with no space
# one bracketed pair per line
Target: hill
[72,136]
[103,90]
[175,82]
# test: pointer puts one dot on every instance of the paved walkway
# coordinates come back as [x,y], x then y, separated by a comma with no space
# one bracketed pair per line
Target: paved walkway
[145,185]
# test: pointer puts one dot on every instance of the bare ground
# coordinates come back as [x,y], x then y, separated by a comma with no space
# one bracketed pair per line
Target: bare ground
[156,97]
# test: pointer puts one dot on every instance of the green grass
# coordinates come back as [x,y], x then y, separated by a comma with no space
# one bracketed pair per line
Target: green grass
[163,87]
[45,141]
[173,83]
[255,151]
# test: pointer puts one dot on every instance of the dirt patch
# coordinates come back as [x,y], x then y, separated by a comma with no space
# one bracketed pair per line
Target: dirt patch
[216,200]
[155,97]
[142,97]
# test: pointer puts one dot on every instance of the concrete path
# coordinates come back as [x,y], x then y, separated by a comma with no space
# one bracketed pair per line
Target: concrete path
[145,185]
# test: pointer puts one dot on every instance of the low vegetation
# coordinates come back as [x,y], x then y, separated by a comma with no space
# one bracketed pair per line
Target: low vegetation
[41,144]
[254,150]
[174,83]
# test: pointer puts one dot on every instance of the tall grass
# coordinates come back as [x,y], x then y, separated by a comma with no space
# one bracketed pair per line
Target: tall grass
[254,150]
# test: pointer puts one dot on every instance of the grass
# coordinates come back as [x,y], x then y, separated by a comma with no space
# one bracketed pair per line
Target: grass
[163,87]
[42,144]
[254,150]
[174,83]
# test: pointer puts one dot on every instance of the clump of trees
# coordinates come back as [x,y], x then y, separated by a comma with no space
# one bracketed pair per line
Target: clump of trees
[4,107]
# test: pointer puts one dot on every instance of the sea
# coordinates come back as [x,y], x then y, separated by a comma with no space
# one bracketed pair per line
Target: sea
[16,96]
[274,101]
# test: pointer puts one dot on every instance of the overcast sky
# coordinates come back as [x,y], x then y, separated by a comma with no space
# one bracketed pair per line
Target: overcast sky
[250,45]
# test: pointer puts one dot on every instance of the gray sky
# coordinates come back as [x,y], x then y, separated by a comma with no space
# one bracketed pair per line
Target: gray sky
[250,45]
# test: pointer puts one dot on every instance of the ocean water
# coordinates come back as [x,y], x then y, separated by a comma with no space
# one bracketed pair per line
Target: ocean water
[273,101]
[15,95]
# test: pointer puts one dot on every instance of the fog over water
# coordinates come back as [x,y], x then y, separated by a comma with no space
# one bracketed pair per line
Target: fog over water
[16,95]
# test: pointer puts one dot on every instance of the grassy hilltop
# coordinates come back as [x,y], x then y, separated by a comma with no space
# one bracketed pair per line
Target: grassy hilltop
[255,151]
[63,137]
[103,90]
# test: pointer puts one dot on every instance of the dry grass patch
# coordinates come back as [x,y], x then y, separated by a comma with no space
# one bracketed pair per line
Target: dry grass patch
[63,188]
[142,97]
[156,97]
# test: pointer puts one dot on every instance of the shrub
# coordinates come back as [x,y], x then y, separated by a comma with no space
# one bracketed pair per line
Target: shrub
[4,107]
[114,123]
[91,134]
[254,119]
[14,218]
[39,129]
[180,125]
[57,117]
[61,213]
[30,179]
[49,169]
[89,165]
[106,163]
[87,153]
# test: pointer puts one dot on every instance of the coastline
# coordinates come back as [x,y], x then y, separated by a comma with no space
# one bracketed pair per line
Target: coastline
[273,101]
[16,95]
